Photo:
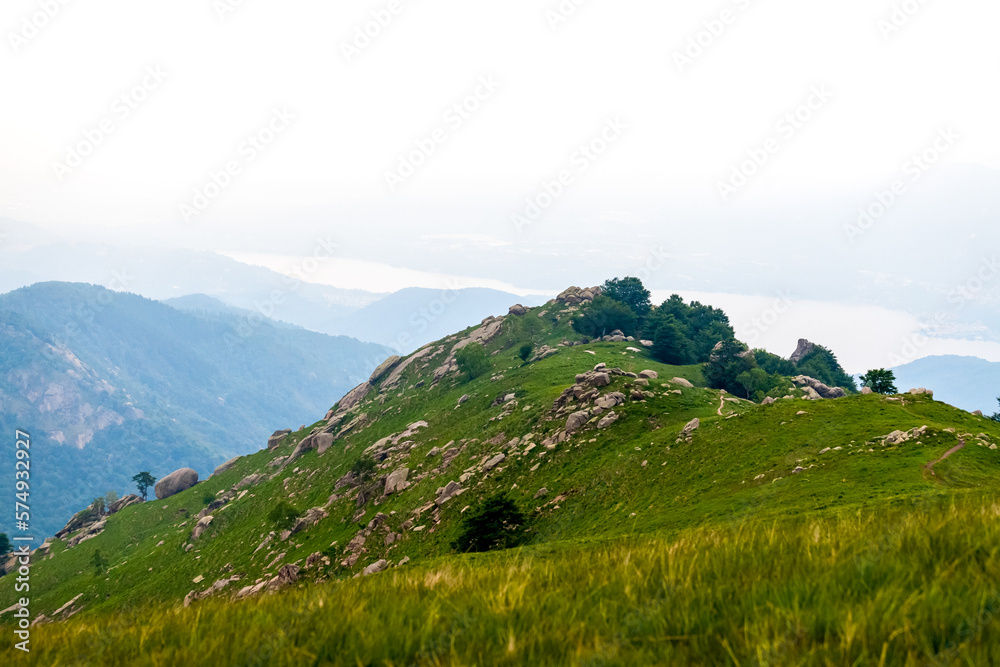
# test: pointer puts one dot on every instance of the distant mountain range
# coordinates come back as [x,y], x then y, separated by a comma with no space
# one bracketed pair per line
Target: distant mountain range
[111,383]
[969,383]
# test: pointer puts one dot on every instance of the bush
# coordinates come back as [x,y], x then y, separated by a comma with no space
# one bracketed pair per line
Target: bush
[496,523]
[472,361]
[207,498]
[603,315]
[363,469]
[283,515]
[525,351]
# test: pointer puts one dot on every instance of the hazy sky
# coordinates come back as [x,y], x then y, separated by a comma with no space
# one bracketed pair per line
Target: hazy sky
[737,137]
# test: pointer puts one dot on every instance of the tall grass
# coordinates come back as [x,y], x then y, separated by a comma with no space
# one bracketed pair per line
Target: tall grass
[909,586]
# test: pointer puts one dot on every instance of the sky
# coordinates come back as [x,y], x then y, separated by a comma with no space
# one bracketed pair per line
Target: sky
[847,152]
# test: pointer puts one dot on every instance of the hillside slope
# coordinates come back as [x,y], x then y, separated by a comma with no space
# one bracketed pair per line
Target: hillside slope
[110,384]
[608,465]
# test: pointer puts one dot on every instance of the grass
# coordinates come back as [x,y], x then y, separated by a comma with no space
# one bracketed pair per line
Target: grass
[913,585]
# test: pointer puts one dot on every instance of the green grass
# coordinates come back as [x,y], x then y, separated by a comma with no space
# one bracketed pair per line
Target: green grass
[706,552]
[911,585]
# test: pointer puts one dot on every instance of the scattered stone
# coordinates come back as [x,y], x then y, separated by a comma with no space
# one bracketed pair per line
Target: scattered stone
[175,482]
[277,437]
[682,382]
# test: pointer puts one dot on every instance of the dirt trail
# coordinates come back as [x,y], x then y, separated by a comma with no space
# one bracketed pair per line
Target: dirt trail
[930,466]
[722,401]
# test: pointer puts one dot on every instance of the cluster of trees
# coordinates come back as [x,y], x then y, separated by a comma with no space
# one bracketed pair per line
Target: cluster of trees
[682,333]
[695,333]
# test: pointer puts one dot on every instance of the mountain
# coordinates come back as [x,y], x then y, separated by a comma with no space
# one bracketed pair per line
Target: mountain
[969,383]
[111,383]
[652,520]
[412,317]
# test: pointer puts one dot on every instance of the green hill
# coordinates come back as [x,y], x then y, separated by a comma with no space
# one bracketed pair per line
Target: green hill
[800,532]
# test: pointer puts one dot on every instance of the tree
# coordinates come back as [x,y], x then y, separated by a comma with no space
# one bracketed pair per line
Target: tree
[472,361]
[495,524]
[526,351]
[727,363]
[110,498]
[603,315]
[629,291]
[670,345]
[98,561]
[99,506]
[143,481]
[5,545]
[822,364]
[283,515]
[880,381]
[996,415]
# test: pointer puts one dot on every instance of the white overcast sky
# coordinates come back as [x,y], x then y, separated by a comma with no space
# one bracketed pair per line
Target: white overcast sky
[890,92]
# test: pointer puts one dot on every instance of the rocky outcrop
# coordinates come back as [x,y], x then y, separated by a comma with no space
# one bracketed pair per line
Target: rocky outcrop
[447,492]
[354,396]
[277,437]
[518,310]
[226,466]
[803,349]
[311,518]
[383,368]
[573,296]
[201,526]
[688,430]
[577,420]
[175,482]
[821,389]
[921,392]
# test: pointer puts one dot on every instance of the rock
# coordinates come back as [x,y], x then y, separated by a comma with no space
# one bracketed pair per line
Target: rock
[811,394]
[543,352]
[445,494]
[201,526]
[354,396]
[286,576]
[226,466]
[608,420]
[122,503]
[896,438]
[323,442]
[646,343]
[599,380]
[542,492]
[494,462]
[249,480]
[383,368]
[311,518]
[802,349]
[649,375]
[611,400]
[396,481]
[921,392]
[691,426]
[819,390]
[978,413]
[463,399]
[767,401]
[277,437]
[175,482]
[801,412]
[376,567]
[518,309]
[798,469]
[577,420]
[682,382]
[866,391]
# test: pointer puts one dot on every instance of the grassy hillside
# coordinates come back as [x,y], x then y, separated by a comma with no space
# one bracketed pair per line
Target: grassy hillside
[794,533]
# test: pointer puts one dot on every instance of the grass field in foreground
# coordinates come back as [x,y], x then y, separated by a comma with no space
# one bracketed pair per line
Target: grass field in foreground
[913,585]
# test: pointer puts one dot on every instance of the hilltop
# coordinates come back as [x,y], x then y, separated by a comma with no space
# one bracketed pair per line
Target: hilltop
[674,521]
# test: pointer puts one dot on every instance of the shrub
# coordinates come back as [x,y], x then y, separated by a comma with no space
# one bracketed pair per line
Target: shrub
[207,498]
[525,351]
[283,515]
[495,524]
[472,361]
[363,469]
